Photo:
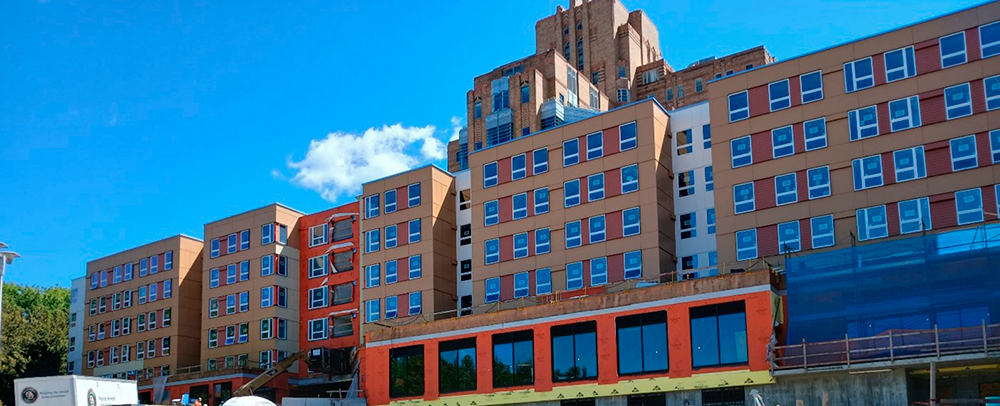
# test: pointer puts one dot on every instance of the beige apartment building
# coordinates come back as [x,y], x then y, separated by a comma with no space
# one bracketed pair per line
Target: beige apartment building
[141,310]
[250,305]
[573,208]
[882,137]
[408,247]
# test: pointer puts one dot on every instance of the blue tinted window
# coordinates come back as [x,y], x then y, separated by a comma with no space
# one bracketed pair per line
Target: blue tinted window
[492,290]
[518,170]
[969,206]
[491,212]
[742,154]
[909,164]
[867,172]
[492,251]
[627,136]
[709,179]
[778,94]
[574,276]
[413,195]
[633,264]
[958,101]
[391,272]
[710,213]
[595,187]
[706,135]
[540,161]
[743,198]
[630,222]
[858,75]
[542,241]
[521,285]
[390,236]
[872,223]
[373,240]
[520,245]
[815,133]
[900,64]
[543,281]
[904,113]
[541,200]
[597,229]
[819,182]
[573,238]
[953,49]
[416,266]
[785,189]
[689,225]
[782,141]
[995,145]
[414,229]
[914,215]
[989,39]
[863,123]
[391,307]
[642,343]
[788,237]
[490,175]
[571,193]
[390,201]
[571,152]
[739,106]
[718,335]
[630,179]
[992,89]
[963,153]
[812,86]
[822,231]
[746,244]
[598,271]
[520,206]
[595,145]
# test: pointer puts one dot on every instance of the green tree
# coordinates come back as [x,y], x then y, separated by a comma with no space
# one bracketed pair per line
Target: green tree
[34,338]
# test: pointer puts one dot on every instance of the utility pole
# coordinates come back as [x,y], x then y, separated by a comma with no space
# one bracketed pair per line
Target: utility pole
[6,258]
[933,401]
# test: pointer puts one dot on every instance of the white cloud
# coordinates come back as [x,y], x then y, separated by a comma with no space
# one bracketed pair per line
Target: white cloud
[338,164]
[456,128]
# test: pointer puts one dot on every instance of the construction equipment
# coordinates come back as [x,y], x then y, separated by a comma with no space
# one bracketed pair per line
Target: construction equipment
[335,361]
[281,366]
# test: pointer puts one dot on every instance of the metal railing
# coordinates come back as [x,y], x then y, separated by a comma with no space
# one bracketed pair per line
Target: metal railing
[891,346]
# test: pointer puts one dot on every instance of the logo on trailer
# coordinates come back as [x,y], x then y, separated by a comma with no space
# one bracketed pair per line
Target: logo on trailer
[29,395]
[91,398]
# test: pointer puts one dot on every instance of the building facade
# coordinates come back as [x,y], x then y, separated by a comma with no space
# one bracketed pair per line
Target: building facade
[77,307]
[141,304]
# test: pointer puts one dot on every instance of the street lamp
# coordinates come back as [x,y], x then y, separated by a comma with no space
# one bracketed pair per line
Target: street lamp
[6,257]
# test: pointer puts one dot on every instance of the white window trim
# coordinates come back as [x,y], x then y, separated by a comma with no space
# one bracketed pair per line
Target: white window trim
[633,139]
[968,103]
[325,300]
[994,149]
[414,232]
[923,220]
[812,230]
[394,241]
[749,153]
[492,297]
[959,212]
[791,142]
[540,206]
[855,77]
[535,164]
[543,247]
[518,173]
[964,52]
[413,310]
[410,197]
[739,256]
[803,92]
[372,277]
[522,292]
[796,242]
[982,45]
[601,235]
[904,68]
[393,311]
[313,332]
[488,256]
[591,193]
[520,252]
[987,93]
[395,201]
[599,149]
[578,239]
[575,157]
[859,128]
[543,288]
[909,118]
[598,279]
[627,268]
[829,189]
[574,280]
[974,158]
[313,236]
[518,213]
[752,201]
[566,197]
[869,228]
[740,110]
[630,183]
[771,99]
[912,152]
[494,217]
[794,192]
[865,178]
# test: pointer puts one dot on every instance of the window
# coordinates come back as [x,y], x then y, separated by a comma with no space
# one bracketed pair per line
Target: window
[622,95]
[867,172]
[283,265]
[597,228]
[317,329]
[372,312]
[372,239]
[244,270]
[372,276]
[698,87]
[492,290]
[372,206]
[788,237]
[317,234]
[520,245]
[863,123]
[513,359]
[689,225]
[969,206]
[718,335]
[685,142]
[815,133]
[642,343]
[963,153]
[680,91]
[390,201]
[598,271]
[391,269]
[118,274]
[317,266]
[244,302]
[414,229]
[742,154]
[989,39]
[574,352]
[492,249]
[318,297]
[630,178]
[519,206]
[478,109]
[991,87]
[822,231]
[819,182]
[709,179]
[595,145]
[909,164]
[872,223]
[525,93]
[858,75]
[518,169]
[230,274]
[670,94]
[571,152]
[900,64]
[812,86]
[685,183]
[457,369]
[541,201]
[627,137]
[406,371]
[574,276]
[595,187]
[142,297]
[415,266]
[491,213]
[958,101]
[213,307]
[743,198]
[539,161]
[573,237]
[215,253]
[995,145]
[391,236]
[266,265]
[904,113]
[633,264]
[739,106]
[778,94]
[543,281]
[521,285]
[571,192]
[490,175]
[746,244]
[914,215]
[153,260]
[783,144]
[952,49]
[710,213]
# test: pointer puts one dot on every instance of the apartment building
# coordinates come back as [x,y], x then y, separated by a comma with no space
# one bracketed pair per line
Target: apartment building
[676,89]
[329,271]
[76,337]
[866,171]
[409,263]
[693,191]
[142,310]
[250,306]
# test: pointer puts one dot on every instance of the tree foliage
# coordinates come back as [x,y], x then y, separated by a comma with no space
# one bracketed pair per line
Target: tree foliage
[34,338]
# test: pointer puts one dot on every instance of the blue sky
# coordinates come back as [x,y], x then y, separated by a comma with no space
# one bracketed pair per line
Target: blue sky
[125,122]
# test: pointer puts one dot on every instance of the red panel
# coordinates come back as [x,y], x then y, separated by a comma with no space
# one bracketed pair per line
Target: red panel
[943,213]
[402,233]
[978,96]
[759,102]
[799,135]
[884,121]
[983,153]
[611,141]
[613,225]
[938,159]
[612,183]
[878,69]
[503,168]
[795,91]
[506,287]
[805,231]
[616,268]
[932,108]
[989,203]
[506,207]
[402,305]
[972,44]
[402,269]
[763,191]
[888,169]
[529,166]
[928,57]
[531,283]
[531,242]
[892,218]
[767,240]
[802,186]
[402,198]
[584,230]
[761,144]
[506,248]
[586,272]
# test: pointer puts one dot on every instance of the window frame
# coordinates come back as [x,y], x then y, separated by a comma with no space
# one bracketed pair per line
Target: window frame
[748,155]
[962,163]
[752,251]
[519,210]
[867,230]
[741,113]
[390,206]
[595,194]
[959,212]
[573,158]
[629,186]
[813,226]
[567,198]
[518,171]
[858,169]
[629,142]
[790,245]
[573,330]
[789,146]
[982,46]
[543,247]
[851,84]
[595,150]
[909,64]
[857,128]
[819,187]
[802,87]
[738,201]
[491,219]
[491,180]
[964,52]
[923,219]
[575,240]
[783,102]
[539,166]
[627,228]
[918,166]
[541,206]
